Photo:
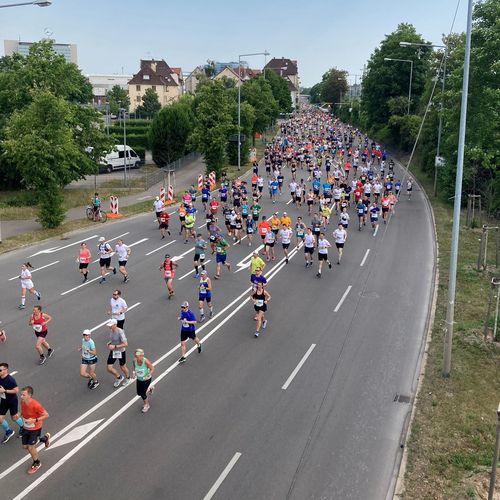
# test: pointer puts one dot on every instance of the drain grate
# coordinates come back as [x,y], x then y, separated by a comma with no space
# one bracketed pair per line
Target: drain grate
[401,398]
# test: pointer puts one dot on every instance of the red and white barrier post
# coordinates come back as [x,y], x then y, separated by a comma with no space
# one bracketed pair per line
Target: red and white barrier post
[170,195]
[200,182]
[162,194]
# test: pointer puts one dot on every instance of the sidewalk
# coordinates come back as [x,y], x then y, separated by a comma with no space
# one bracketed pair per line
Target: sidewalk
[184,177]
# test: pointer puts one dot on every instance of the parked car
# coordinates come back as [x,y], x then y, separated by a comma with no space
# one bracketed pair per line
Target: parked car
[114,160]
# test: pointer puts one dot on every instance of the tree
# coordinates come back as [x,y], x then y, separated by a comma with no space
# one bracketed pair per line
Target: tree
[280,90]
[170,131]
[386,79]
[334,86]
[213,124]
[150,104]
[41,142]
[315,93]
[210,68]
[117,98]
[247,120]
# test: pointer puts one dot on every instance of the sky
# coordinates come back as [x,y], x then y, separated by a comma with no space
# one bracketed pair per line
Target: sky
[113,35]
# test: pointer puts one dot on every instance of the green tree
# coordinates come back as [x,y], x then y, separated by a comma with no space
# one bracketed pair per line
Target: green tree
[117,98]
[386,79]
[41,142]
[280,90]
[315,93]
[212,109]
[150,104]
[334,86]
[247,120]
[170,131]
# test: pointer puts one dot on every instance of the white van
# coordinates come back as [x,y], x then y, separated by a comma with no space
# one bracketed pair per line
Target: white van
[114,160]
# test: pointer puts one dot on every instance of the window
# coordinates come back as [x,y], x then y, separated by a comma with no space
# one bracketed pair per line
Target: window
[120,154]
[133,153]
[145,77]
[138,98]
[138,88]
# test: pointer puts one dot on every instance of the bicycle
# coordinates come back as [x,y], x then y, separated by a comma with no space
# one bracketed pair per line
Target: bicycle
[99,216]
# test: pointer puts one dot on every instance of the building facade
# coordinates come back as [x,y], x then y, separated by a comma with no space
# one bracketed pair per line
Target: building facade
[160,77]
[102,84]
[68,50]
[287,69]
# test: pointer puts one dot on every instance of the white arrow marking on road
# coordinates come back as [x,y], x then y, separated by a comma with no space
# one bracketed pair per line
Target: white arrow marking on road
[55,249]
[76,434]
[182,255]
[243,264]
[163,246]
[37,269]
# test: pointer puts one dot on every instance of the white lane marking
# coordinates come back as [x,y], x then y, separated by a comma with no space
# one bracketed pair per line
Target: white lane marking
[159,248]
[83,284]
[55,249]
[298,367]
[131,245]
[376,230]
[244,263]
[203,225]
[14,466]
[339,305]
[117,237]
[13,373]
[144,197]
[365,257]
[182,255]
[223,476]
[37,269]
[104,322]
[77,433]
[289,201]
[192,270]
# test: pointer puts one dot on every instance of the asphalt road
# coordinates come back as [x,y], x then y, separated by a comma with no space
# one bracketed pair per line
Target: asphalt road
[232,421]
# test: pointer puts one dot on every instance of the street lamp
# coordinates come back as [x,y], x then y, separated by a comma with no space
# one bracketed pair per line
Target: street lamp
[437,159]
[39,3]
[411,76]
[123,111]
[265,53]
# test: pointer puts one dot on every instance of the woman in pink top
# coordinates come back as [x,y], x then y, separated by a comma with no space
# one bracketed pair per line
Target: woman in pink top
[83,260]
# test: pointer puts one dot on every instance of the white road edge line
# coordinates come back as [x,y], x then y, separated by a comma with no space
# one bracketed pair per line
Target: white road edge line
[37,269]
[298,367]
[223,476]
[280,265]
[376,231]
[339,305]
[192,270]
[365,257]
[104,322]
[13,373]
[163,246]
[83,284]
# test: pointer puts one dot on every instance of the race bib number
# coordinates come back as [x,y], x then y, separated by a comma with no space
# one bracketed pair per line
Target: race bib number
[140,372]
[219,249]
[117,354]
[37,328]
[168,274]
[202,256]
[259,302]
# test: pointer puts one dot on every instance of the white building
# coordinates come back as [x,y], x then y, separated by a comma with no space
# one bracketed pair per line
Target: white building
[102,84]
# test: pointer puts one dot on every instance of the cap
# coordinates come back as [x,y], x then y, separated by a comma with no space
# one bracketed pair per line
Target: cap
[86,332]
[204,272]
[284,213]
[185,304]
[112,322]
[139,352]
[102,238]
[157,198]
[276,213]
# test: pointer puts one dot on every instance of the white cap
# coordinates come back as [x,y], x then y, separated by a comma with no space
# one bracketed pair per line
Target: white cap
[86,332]
[157,198]
[112,322]
[185,304]
[102,238]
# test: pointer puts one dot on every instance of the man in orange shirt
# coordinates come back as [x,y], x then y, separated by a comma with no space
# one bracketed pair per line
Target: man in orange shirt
[264,227]
[33,414]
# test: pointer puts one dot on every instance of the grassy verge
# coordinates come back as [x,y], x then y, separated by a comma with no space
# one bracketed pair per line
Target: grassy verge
[453,433]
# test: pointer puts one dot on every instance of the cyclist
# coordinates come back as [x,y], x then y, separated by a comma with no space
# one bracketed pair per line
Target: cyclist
[96,205]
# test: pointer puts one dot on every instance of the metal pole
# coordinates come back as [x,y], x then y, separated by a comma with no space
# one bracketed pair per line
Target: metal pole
[491,490]
[481,250]
[495,323]
[239,113]
[124,150]
[409,90]
[490,302]
[450,310]
[440,127]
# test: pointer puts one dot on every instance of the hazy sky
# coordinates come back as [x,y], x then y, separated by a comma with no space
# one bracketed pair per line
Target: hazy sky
[112,35]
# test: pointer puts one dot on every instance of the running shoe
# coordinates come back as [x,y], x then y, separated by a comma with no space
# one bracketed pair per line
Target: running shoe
[8,435]
[202,318]
[199,348]
[126,382]
[264,323]
[50,352]
[95,384]
[182,359]
[34,467]
[318,275]
[46,439]
[330,265]
[22,306]
[125,279]
[118,381]
[211,315]
[102,280]
[145,408]
[38,296]
[256,334]
[90,382]
[114,270]
[42,360]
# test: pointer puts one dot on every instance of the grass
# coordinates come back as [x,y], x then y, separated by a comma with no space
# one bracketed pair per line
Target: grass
[451,444]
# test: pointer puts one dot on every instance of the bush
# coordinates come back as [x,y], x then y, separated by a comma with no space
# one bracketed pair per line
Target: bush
[51,208]
[22,199]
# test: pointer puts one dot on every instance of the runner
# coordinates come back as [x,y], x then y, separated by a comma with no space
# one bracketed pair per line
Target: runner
[8,402]
[221,256]
[117,345]
[189,222]
[105,253]
[250,229]
[38,321]
[83,260]
[33,414]
[340,235]
[182,217]
[27,284]
[285,235]
[200,246]
[323,246]
[386,203]
[158,208]
[260,299]
[374,210]
[409,188]
[143,369]
[168,267]
[344,218]
[255,263]
[89,360]
[123,252]
[205,294]
[118,308]
[188,329]
[164,221]
[360,210]
[269,241]
[300,230]
[309,244]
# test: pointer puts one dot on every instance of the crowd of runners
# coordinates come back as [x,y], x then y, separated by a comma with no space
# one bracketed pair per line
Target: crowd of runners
[333,176]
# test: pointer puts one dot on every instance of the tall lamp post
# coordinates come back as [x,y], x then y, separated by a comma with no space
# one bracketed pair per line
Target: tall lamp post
[39,3]
[437,159]
[124,111]
[265,53]
[411,77]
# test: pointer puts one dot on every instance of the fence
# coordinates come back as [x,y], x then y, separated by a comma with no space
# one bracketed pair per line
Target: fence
[153,178]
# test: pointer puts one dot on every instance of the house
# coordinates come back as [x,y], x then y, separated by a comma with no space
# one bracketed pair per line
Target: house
[193,79]
[160,77]
[102,84]
[241,74]
[287,69]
